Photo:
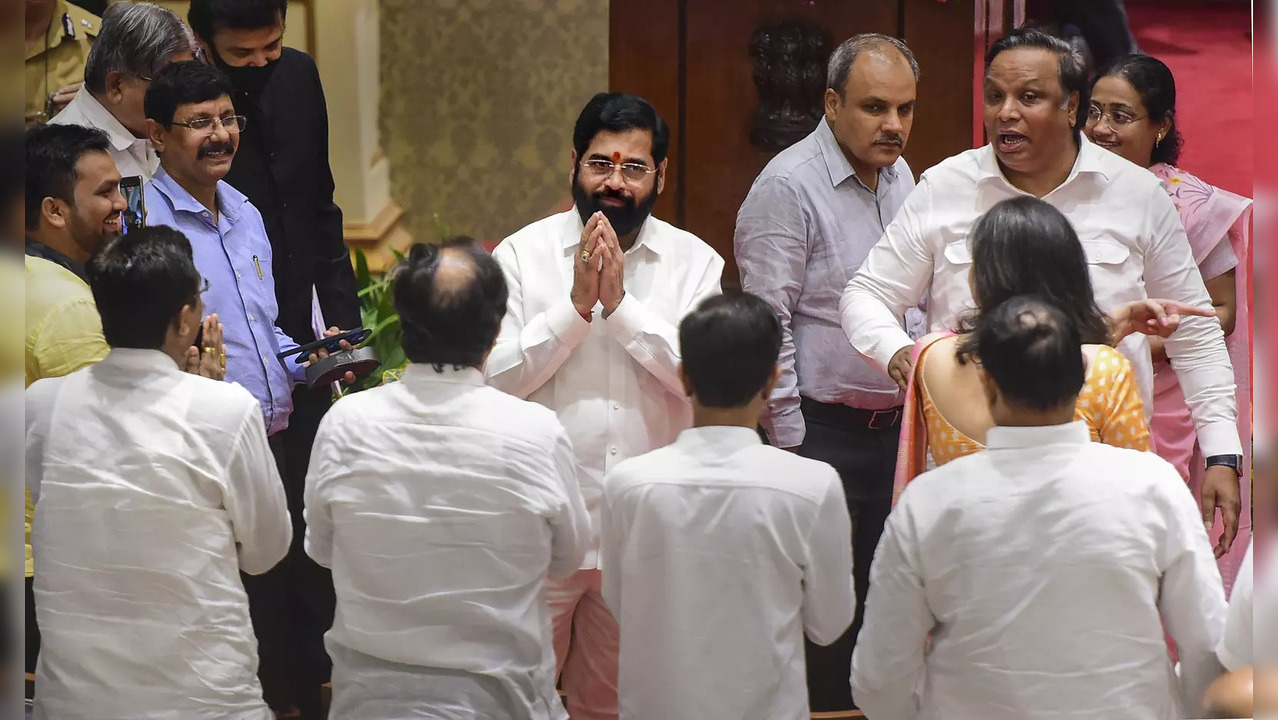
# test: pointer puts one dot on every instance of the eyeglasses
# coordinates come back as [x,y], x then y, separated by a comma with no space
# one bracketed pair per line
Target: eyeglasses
[206,125]
[632,172]
[204,285]
[1117,118]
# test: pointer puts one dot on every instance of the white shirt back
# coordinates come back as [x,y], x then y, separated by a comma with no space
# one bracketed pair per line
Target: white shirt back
[132,155]
[441,504]
[1043,569]
[719,552]
[154,489]
[613,382]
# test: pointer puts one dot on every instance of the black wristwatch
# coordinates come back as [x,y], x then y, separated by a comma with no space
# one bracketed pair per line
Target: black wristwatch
[1233,462]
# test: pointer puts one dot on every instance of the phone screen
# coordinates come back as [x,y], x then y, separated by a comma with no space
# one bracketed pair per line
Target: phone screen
[135,214]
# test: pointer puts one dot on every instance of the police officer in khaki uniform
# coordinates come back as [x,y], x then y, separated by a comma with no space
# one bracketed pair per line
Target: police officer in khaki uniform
[58,36]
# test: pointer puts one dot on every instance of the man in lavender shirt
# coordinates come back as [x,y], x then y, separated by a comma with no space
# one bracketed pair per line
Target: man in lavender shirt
[194,126]
[806,226]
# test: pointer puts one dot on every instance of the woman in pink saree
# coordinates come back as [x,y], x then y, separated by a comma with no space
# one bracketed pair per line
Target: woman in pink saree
[1133,113]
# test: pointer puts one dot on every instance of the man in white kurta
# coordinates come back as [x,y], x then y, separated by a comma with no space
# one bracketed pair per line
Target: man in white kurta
[441,504]
[154,489]
[596,294]
[1132,235]
[721,551]
[1044,568]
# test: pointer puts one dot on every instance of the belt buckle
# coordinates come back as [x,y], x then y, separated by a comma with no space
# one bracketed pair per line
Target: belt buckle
[892,416]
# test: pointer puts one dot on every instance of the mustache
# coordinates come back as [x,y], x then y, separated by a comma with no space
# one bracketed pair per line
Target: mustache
[610,193]
[216,147]
[890,138]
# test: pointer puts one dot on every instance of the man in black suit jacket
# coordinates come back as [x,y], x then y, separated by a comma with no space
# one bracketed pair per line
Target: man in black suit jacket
[282,166]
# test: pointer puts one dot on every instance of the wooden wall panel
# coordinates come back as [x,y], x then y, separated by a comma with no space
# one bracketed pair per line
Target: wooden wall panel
[941,35]
[644,49]
[720,162]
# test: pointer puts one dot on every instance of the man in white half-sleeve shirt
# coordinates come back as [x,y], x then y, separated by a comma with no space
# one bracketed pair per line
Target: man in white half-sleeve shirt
[596,295]
[441,504]
[154,488]
[1135,244]
[721,551]
[1009,560]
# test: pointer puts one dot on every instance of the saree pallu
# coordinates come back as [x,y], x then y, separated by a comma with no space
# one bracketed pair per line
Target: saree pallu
[1210,216]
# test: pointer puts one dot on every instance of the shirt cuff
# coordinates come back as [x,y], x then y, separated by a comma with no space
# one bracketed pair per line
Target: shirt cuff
[295,372]
[785,429]
[889,347]
[1219,438]
[566,323]
[626,321]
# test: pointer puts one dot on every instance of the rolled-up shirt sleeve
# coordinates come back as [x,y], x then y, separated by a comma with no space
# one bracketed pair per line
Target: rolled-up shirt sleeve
[894,277]
[1197,349]
[771,246]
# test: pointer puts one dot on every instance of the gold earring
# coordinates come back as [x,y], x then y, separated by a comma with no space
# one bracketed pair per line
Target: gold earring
[1159,140]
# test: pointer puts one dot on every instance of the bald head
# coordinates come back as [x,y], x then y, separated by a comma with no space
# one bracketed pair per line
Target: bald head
[451,299]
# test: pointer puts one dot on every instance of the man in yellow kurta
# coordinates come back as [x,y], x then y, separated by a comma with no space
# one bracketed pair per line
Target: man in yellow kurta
[58,38]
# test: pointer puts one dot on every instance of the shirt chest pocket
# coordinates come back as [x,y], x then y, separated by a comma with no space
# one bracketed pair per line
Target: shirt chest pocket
[1113,273]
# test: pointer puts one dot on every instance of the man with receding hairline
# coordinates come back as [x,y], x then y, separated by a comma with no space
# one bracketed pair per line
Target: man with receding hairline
[441,505]
[806,226]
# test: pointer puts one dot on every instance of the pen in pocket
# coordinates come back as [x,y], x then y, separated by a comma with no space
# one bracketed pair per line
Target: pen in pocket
[258,266]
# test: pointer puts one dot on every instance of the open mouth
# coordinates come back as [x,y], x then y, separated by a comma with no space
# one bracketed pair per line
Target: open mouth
[218,154]
[1011,142]
[1111,144]
[113,223]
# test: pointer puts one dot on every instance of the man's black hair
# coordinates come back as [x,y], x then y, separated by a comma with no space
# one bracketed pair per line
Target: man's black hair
[729,345]
[206,17]
[140,282]
[51,154]
[183,83]
[619,112]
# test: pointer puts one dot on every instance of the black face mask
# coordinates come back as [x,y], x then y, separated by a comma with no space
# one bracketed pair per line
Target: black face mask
[251,80]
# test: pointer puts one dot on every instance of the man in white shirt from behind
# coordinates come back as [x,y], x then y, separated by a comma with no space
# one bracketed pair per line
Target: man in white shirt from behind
[441,504]
[596,295]
[1135,244]
[136,41]
[154,488]
[721,551]
[1043,568]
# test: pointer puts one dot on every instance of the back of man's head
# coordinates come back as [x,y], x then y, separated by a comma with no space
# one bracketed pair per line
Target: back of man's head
[51,153]
[140,283]
[451,299]
[729,345]
[136,39]
[1031,351]
[183,83]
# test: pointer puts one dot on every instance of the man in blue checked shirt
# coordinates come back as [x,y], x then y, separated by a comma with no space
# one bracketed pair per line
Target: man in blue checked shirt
[193,125]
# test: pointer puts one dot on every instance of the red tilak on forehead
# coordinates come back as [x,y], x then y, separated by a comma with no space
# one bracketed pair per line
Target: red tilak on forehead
[616,157]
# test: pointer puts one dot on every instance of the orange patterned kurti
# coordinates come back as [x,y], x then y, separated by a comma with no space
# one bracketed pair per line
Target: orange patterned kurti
[1109,403]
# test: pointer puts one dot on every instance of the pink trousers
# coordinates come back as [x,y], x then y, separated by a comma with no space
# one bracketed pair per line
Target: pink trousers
[586,643]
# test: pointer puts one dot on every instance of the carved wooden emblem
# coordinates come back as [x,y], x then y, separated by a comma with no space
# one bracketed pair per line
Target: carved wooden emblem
[789,74]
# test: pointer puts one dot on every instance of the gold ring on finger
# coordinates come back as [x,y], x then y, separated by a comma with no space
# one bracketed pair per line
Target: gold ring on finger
[585,255]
